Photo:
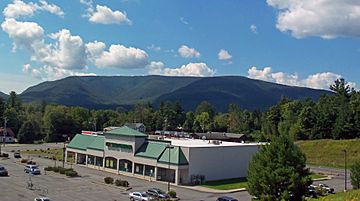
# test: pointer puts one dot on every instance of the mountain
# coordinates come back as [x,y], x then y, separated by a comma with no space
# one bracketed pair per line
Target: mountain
[125,91]
[3,95]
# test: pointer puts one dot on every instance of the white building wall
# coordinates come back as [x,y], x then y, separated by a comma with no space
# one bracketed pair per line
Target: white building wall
[218,163]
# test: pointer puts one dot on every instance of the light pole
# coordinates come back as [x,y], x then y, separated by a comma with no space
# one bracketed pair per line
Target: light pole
[345,171]
[64,148]
[169,147]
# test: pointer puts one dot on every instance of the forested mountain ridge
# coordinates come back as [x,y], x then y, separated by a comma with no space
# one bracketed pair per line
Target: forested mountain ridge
[117,91]
[3,95]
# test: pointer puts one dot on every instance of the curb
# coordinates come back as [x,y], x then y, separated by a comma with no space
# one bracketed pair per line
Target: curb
[323,179]
[209,190]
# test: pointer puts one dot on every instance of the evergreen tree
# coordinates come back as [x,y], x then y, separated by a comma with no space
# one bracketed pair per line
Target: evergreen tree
[355,175]
[28,132]
[278,171]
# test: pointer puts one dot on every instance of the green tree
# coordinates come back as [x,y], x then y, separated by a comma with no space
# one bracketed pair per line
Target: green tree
[28,133]
[206,107]
[14,101]
[278,171]
[355,175]
[189,122]
[204,121]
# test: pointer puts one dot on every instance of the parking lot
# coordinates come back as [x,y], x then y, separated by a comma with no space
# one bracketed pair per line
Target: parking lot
[90,184]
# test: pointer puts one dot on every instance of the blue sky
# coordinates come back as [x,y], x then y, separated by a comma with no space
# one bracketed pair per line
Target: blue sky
[282,41]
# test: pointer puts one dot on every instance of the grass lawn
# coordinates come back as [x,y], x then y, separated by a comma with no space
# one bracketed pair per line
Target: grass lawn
[58,153]
[353,195]
[329,153]
[228,184]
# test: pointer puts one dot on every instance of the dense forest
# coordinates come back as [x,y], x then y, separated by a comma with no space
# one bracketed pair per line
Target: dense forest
[331,116]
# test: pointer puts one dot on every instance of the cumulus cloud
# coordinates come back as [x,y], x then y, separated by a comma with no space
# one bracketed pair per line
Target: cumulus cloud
[104,14]
[224,55]
[48,73]
[18,8]
[318,81]
[119,56]
[188,52]
[154,48]
[327,19]
[190,69]
[253,28]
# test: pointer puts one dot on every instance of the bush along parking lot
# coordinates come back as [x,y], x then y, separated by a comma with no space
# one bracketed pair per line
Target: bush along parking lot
[118,182]
[67,171]
[4,155]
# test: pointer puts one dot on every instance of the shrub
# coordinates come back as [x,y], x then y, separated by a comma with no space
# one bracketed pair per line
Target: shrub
[48,149]
[62,170]
[49,168]
[118,182]
[5,155]
[71,173]
[31,163]
[172,194]
[12,150]
[123,183]
[56,169]
[108,180]
[24,160]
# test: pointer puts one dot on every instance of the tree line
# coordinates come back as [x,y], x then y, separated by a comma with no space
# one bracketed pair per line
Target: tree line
[331,116]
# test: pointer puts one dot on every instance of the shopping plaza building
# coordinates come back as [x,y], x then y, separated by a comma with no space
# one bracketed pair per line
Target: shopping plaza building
[129,152]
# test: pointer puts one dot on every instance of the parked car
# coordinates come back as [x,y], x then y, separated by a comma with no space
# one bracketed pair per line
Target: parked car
[311,192]
[326,188]
[33,169]
[42,199]
[226,198]
[3,171]
[17,155]
[157,193]
[139,196]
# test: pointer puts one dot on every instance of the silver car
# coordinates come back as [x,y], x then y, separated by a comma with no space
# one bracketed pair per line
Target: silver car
[139,196]
[33,169]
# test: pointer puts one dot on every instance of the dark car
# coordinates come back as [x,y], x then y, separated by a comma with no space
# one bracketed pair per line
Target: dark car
[3,171]
[157,193]
[17,155]
[226,198]
[311,192]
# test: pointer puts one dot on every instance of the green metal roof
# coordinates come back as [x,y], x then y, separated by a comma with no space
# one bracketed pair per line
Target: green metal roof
[151,150]
[126,131]
[177,157]
[97,144]
[82,142]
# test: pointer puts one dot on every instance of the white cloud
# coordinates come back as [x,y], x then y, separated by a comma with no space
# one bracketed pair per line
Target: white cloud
[120,56]
[48,73]
[104,14]
[52,8]
[23,34]
[94,50]
[18,8]
[188,52]
[324,18]
[154,48]
[318,81]
[224,55]
[253,28]
[190,69]
[182,19]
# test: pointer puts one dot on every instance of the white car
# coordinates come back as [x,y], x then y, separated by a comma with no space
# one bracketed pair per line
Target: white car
[42,199]
[33,169]
[139,196]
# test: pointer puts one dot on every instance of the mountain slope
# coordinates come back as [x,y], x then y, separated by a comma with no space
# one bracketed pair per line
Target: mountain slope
[111,92]
[103,92]
[3,95]
[247,93]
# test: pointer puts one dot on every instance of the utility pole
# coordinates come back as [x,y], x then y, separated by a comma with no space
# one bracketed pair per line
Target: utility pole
[169,171]
[345,171]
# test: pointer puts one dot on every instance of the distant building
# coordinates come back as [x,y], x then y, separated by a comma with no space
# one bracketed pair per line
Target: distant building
[10,136]
[129,152]
[229,137]
[137,126]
